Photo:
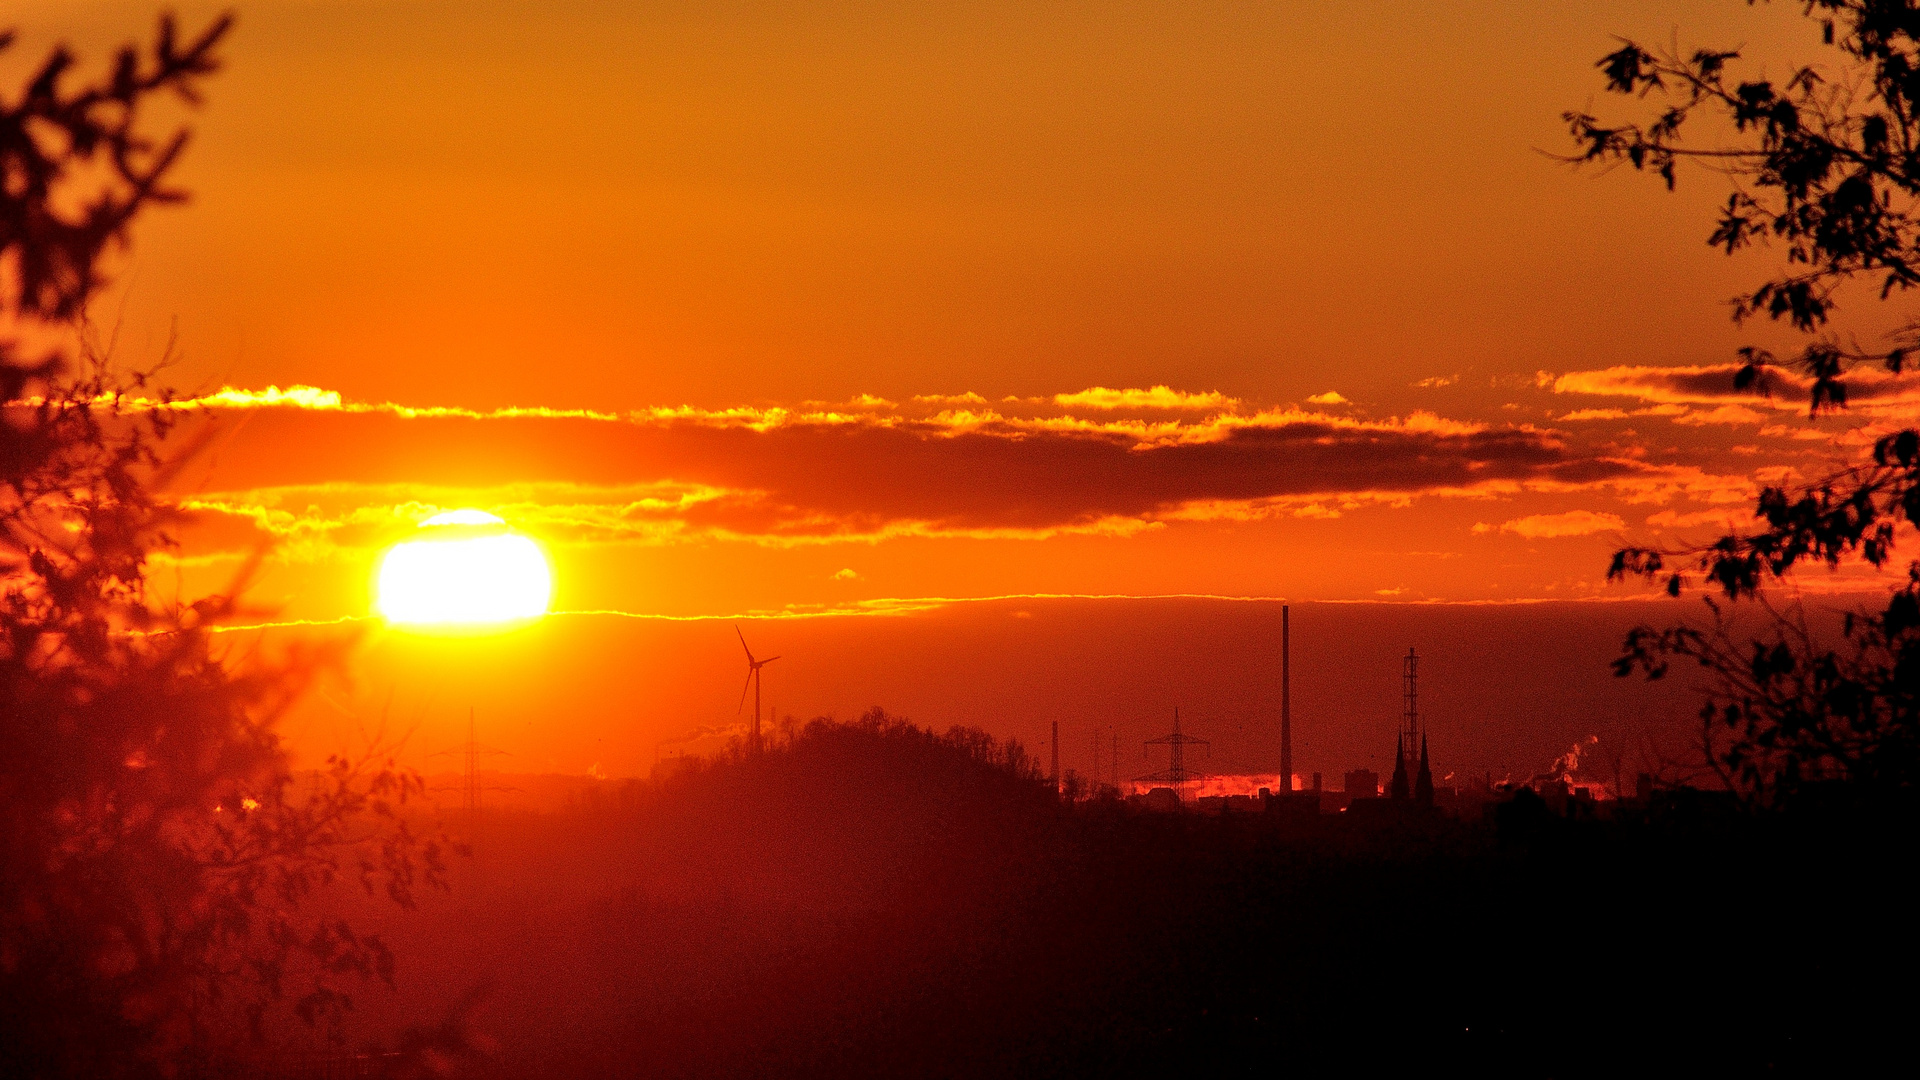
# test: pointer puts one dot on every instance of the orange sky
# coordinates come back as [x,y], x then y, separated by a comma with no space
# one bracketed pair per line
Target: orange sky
[790,308]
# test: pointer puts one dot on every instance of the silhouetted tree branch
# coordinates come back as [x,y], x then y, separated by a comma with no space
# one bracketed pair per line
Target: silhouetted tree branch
[1825,164]
[154,852]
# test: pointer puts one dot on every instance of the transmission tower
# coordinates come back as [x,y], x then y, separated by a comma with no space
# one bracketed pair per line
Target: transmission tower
[470,788]
[1176,774]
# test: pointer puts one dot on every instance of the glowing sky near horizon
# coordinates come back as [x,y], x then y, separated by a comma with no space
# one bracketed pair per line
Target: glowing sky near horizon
[804,308]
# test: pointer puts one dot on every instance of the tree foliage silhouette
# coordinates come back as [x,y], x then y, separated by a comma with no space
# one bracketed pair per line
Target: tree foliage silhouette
[154,852]
[1825,165]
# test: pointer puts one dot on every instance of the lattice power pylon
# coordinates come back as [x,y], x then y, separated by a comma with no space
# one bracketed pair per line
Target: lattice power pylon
[1175,775]
[470,788]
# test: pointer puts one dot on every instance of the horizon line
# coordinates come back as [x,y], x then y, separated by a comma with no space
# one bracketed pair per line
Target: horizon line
[897,605]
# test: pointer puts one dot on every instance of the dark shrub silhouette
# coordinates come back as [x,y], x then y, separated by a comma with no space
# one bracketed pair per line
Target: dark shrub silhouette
[153,855]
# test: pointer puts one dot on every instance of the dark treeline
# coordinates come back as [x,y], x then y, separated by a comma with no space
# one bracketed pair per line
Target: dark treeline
[872,899]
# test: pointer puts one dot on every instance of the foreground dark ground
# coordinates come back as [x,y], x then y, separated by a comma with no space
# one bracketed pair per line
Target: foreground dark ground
[871,901]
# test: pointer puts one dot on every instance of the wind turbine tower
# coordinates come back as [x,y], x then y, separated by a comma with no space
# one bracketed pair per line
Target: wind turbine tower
[753,682]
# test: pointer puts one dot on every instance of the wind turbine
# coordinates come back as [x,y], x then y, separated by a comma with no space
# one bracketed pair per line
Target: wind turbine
[753,680]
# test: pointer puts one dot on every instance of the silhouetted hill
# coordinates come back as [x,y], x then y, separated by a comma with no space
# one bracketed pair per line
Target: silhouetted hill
[875,900]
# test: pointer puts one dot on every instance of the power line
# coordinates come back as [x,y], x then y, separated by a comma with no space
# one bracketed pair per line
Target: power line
[470,787]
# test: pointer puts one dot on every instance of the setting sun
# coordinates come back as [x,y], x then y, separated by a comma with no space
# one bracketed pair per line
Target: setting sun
[465,569]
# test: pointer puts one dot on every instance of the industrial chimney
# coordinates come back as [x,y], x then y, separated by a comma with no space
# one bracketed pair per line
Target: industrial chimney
[1286,702]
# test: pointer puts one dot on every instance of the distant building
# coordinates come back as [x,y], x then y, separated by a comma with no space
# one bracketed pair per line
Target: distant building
[1293,808]
[1160,798]
[1225,804]
[1362,784]
[1562,798]
[1376,809]
[1464,803]
[1411,796]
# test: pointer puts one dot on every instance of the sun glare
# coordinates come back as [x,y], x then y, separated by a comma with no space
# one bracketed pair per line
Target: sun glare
[466,569]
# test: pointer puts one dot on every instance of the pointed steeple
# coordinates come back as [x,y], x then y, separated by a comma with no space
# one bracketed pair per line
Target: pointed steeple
[1423,784]
[1399,791]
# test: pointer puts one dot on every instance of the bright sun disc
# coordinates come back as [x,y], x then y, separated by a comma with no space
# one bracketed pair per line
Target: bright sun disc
[466,569]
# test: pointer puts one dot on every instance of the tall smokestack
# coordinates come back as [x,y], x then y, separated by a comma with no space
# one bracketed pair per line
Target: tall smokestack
[1286,701]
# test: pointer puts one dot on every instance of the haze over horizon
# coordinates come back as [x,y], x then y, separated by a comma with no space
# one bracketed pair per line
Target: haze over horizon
[797,310]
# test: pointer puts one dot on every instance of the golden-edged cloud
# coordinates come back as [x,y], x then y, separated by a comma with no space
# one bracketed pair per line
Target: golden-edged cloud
[1152,398]
[318,478]
[1550,526]
[311,471]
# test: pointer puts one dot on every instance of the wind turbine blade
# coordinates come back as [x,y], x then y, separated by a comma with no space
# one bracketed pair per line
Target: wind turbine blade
[743,693]
[767,661]
[743,643]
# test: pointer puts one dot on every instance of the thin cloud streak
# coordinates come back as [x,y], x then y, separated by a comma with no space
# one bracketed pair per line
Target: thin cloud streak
[1776,389]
